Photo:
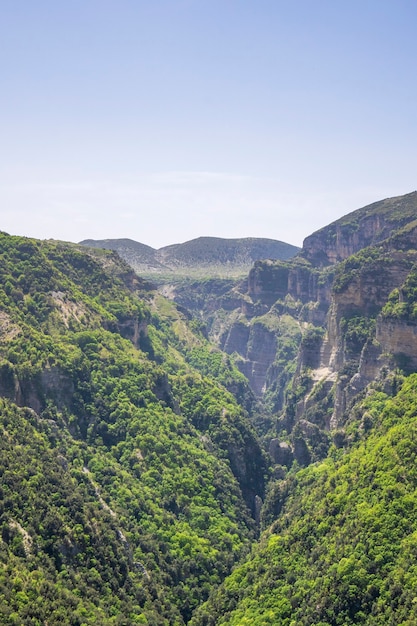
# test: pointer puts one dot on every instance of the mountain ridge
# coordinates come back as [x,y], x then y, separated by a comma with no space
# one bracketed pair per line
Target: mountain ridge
[358,229]
[134,474]
[208,255]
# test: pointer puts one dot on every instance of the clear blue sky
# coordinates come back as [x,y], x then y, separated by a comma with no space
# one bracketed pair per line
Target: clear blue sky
[164,120]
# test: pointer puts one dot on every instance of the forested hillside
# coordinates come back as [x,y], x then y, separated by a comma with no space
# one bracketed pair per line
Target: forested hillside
[128,478]
[242,453]
[341,541]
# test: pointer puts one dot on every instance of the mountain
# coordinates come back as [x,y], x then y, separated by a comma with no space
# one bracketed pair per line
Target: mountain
[330,339]
[240,452]
[130,474]
[311,332]
[139,256]
[208,256]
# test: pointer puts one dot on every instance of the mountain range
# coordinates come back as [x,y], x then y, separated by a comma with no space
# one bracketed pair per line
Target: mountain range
[212,448]
[212,256]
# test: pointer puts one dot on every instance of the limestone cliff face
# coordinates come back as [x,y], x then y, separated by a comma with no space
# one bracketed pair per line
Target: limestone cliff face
[308,332]
[270,281]
[257,347]
[398,337]
[336,290]
[359,343]
[364,227]
[50,384]
[275,289]
[261,351]
[339,241]
[351,354]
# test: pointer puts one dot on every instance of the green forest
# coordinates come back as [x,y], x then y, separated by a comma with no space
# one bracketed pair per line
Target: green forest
[129,477]
[146,480]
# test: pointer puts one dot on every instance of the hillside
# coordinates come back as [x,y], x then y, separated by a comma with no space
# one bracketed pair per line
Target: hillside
[309,334]
[129,475]
[136,487]
[205,256]
[341,538]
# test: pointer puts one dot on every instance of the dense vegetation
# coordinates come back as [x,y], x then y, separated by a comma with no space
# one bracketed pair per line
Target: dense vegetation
[343,541]
[132,477]
[128,485]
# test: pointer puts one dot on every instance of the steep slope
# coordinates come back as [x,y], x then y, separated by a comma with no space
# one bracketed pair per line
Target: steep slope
[360,229]
[342,548]
[130,477]
[205,256]
[126,442]
[311,333]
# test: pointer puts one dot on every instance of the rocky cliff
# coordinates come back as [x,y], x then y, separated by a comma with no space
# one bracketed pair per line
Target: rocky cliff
[369,331]
[364,227]
[311,333]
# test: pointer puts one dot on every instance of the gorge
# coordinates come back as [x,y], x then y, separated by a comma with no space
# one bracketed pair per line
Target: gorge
[183,445]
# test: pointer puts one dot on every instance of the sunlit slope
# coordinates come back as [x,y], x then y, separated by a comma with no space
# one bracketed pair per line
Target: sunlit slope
[342,549]
[129,477]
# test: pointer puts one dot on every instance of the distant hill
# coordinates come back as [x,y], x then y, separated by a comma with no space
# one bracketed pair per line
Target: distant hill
[205,255]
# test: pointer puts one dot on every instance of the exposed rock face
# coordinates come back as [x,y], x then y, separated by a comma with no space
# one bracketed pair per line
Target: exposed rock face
[257,347]
[135,330]
[332,245]
[364,227]
[237,339]
[358,345]
[260,354]
[51,383]
[281,452]
[398,337]
[354,363]
[270,281]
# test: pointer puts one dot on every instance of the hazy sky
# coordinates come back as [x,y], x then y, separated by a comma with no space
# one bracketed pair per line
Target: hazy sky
[164,120]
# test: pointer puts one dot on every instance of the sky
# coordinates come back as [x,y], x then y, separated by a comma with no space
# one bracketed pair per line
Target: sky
[166,120]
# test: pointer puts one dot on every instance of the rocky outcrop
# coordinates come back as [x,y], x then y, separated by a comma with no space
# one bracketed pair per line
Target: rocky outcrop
[256,346]
[398,337]
[237,339]
[351,356]
[339,241]
[281,452]
[34,392]
[362,228]
[270,281]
